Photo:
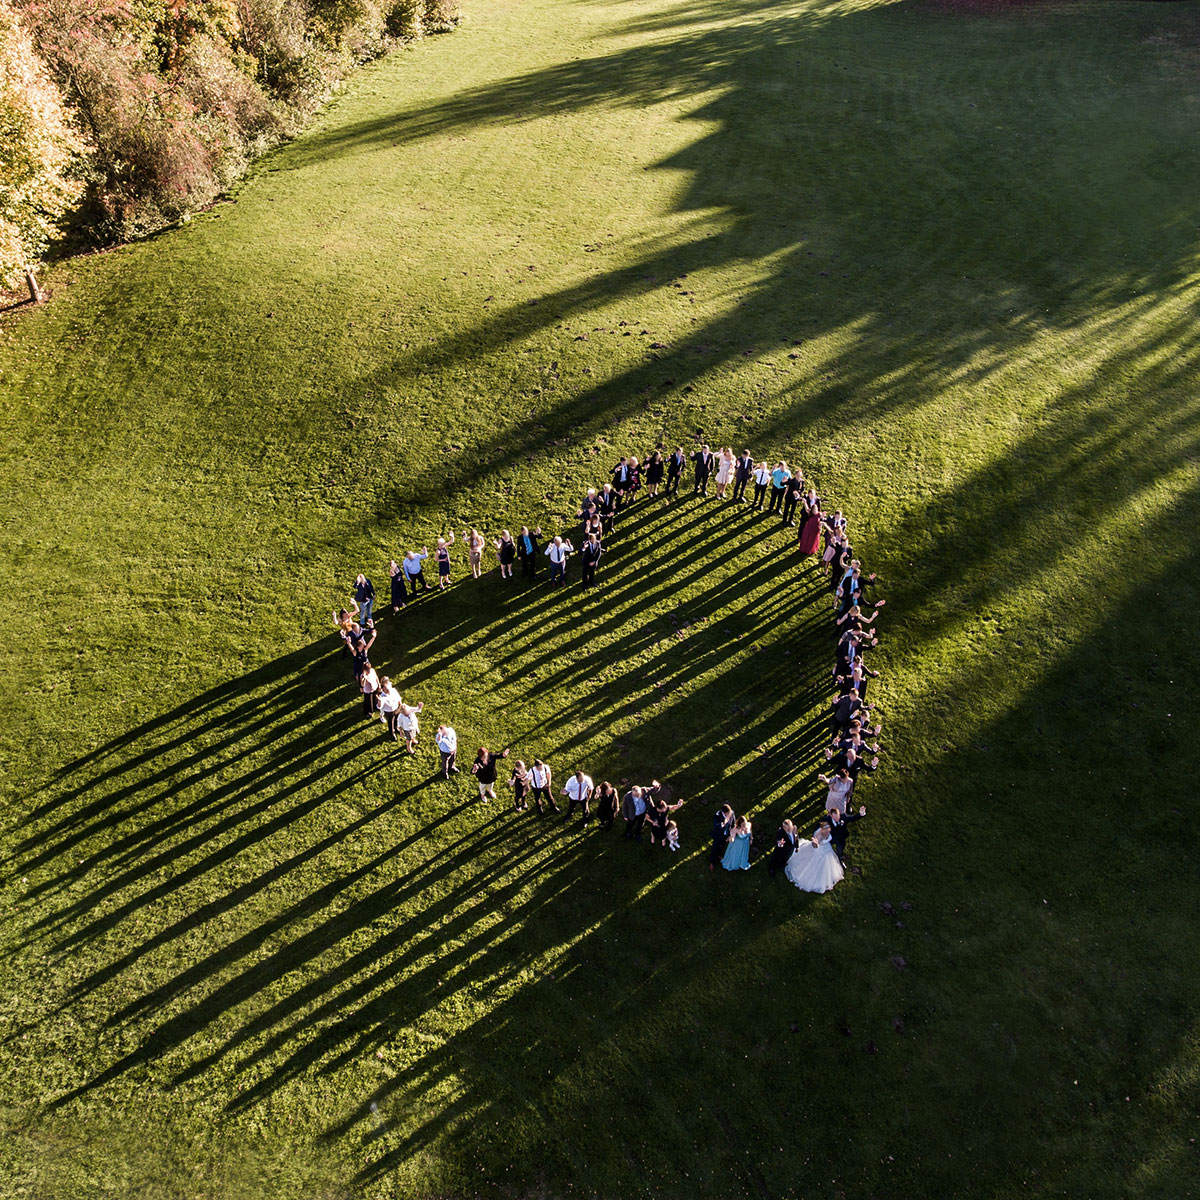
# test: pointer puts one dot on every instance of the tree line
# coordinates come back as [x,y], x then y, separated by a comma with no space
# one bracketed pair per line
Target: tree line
[119,117]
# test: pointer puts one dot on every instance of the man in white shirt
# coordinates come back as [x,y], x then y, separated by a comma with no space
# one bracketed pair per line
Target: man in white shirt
[540,778]
[557,552]
[579,791]
[389,702]
[447,744]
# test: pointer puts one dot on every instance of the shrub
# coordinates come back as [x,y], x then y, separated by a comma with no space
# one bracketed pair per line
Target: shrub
[176,96]
[38,149]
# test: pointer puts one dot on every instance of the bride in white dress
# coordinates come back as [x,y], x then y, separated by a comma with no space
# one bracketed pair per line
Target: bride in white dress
[814,866]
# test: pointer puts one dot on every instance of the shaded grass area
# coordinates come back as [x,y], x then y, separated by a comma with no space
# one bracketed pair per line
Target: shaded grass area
[947,262]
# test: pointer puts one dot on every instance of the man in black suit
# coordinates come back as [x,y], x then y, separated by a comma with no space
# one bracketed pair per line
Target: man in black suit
[785,847]
[528,550]
[606,503]
[845,708]
[675,470]
[589,556]
[620,480]
[704,464]
[853,762]
[839,828]
[721,828]
[743,469]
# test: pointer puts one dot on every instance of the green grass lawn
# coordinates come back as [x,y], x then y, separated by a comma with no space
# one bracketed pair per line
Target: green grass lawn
[945,258]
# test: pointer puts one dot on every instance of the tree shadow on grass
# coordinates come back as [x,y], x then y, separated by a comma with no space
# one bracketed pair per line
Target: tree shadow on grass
[531,1064]
[579,1025]
[859,228]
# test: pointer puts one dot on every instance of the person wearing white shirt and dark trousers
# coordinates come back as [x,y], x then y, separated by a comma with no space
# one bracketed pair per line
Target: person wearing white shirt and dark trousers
[558,552]
[447,744]
[762,478]
[589,556]
[540,778]
[389,706]
[578,791]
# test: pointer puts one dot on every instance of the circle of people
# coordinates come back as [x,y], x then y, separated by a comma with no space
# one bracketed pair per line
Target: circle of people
[815,863]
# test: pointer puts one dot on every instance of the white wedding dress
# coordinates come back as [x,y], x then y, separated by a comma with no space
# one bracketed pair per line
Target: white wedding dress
[814,868]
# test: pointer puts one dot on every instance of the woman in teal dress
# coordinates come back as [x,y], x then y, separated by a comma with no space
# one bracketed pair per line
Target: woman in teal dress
[737,853]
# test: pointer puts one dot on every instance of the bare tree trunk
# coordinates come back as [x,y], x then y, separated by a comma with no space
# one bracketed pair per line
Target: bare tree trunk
[35,292]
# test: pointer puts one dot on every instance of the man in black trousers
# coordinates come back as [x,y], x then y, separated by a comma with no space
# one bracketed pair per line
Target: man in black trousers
[839,827]
[675,470]
[620,480]
[743,468]
[606,504]
[785,847]
[528,550]
[589,556]
[721,828]
[704,464]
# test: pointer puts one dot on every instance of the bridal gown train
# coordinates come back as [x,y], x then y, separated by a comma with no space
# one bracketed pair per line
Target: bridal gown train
[814,868]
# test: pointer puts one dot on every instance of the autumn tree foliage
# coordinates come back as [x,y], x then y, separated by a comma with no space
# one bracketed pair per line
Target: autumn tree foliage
[174,97]
[37,150]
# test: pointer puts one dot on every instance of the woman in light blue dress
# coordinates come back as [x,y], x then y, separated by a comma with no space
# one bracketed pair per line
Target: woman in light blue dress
[737,853]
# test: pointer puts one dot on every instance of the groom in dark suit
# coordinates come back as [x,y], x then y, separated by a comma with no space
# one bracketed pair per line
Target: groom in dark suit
[785,847]
[703,459]
[839,826]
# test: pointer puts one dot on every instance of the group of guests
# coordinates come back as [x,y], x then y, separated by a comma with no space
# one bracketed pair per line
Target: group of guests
[777,489]
[643,808]
[817,863]
[814,863]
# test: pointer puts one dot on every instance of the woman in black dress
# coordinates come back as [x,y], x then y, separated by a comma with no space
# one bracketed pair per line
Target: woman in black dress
[658,817]
[607,805]
[655,469]
[634,482]
[397,573]
[506,550]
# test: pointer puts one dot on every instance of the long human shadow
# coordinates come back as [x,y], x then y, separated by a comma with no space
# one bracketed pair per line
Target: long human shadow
[572,1076]
[515,1033]
[277,762]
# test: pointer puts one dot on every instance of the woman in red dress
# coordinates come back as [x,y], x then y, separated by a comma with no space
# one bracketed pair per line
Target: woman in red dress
[809,534]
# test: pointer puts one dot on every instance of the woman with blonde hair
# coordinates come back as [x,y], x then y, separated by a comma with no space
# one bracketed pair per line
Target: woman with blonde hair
[725,464]
[506,551]
[634,482]
[737,853]
[476,544]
